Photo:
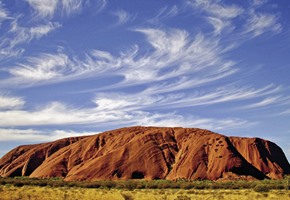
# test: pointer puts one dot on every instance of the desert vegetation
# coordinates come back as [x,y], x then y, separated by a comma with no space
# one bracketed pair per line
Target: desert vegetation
[256,185]
[26,188]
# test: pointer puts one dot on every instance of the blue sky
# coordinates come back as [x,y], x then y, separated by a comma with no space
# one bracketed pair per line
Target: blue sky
[77,67]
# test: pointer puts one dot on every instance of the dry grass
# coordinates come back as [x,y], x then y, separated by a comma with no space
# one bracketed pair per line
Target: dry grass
[75,193]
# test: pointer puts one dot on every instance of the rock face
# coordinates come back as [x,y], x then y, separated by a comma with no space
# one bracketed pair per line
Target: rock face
[149,153]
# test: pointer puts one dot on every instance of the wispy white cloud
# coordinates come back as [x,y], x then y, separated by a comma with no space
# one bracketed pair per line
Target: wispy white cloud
[169,120]
[233,93]
[72,6]
[10,102]
[32,135]
[10,52]
[186,82]
[174,54]
[60,114]
[259,23]
[125,102]
[223,17]
[123,17]
[52,114]
[218,14]
[154,98]
[217,9]
[10,46]
[44,8]
[259,2]
[116,109]
[269,101]
[59,67]
[47,8]
[26,34]
[42,30]
[285,112]
[176,120]
[3,14]
[219,24]
[164,13]
[101,5]
[45,67]
[168,42]
[175,62]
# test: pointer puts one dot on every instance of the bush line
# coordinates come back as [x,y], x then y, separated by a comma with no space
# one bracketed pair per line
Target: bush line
[258,186]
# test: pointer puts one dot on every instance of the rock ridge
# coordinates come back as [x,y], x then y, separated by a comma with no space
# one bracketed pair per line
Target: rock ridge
[149,153]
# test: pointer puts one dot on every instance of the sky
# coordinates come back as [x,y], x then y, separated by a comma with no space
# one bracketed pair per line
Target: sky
[80,67]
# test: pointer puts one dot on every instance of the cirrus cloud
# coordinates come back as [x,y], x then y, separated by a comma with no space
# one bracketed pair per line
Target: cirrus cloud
[10,102]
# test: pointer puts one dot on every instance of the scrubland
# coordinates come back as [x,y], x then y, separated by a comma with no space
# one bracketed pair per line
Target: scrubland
[57,189]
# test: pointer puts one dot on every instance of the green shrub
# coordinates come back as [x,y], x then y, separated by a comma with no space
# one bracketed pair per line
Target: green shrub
[92,185]
[18,184]
[245,184]
[278,186]
[152,185]
[200,186]
[56,184]
[140,185]
[106,184]
[72,184]
[261,188]
[217,186]
[42,184]
[186,186]
[164,185]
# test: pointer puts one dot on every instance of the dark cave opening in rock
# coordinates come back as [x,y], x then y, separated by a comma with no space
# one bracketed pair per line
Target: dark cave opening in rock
[137,175]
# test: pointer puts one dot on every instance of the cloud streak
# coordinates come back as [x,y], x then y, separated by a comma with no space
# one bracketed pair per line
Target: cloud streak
[3,14]
[43,8]
[32,135]
[9,102]
[45,67]
[269,101]
[123,17]
[104,114]
[164,14]
[177,62]
[17,35]
[259,23]
[220,16]
[154,98]
[217,9]
[26,34]
[48,8]
[174,54]
[286,112]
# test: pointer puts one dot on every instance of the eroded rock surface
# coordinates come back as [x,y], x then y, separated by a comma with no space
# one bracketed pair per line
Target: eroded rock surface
[149,153]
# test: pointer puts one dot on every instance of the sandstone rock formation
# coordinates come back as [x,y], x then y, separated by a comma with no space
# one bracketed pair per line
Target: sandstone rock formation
[149,153]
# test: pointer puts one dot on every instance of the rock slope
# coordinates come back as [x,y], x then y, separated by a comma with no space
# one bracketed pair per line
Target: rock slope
[149,153]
